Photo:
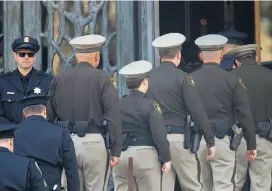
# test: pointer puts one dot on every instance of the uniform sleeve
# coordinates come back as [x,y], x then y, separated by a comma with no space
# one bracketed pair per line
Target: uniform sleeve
[35,180]
[3,119]
[111,109]
[70,162]
[159,133]
[196,108]
[243,114]
[50,110]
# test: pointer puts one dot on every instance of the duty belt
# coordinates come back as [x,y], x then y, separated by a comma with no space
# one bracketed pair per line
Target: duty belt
[141,141]
[90,129]
[172,129]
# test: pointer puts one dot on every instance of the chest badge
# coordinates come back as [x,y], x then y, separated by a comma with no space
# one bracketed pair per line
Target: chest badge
[37,90]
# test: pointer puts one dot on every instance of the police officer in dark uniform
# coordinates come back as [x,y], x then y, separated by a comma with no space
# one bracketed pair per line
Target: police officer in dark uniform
[258,82]
[143,131]
[177,95]
[84,96]
[22,82]
[235,38]
[50,145]
[222,94]
[17,172]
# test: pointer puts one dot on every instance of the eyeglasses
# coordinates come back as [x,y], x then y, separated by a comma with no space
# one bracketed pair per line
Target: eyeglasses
[23,54]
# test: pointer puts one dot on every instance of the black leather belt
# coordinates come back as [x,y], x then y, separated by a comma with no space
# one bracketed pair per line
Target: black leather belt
[141,141]
[172,129]
[90,130]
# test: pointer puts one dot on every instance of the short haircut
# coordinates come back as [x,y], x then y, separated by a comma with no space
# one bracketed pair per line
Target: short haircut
[207,55]
[168,54]
[34,109]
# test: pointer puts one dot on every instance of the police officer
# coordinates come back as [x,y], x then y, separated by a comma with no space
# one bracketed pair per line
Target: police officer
[17,172]
[235,38]
[177,96]
[222,94]
[143,131]
[22,82]
[50,145]
[258,82]
[85,96]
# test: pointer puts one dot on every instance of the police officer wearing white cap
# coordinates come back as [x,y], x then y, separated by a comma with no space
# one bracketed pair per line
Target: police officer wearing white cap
[177,95]
[224,97]
[143,132]
[258,81]
[82,97]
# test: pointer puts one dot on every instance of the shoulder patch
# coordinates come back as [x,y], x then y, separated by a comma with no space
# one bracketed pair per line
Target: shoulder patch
[157,108]
[113,82]
[191,81]
[242,83]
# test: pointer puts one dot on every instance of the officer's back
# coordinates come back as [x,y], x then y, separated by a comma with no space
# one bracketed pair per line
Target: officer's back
[258,81]
[50,145]
[17,172]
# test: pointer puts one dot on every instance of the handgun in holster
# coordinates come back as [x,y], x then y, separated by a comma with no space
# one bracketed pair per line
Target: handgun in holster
[196,137]
[187,133]
[237,135]
[106,135]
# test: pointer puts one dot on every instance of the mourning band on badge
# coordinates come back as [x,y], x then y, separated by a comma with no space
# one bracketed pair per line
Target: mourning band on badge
[242,83]
[191,81]
[157,108]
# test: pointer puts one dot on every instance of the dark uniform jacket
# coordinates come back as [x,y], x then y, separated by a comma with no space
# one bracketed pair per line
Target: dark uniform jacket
[19,173]
[11,90]
[258,82]
[142,116]
[51,146]
[84,93]
[223,94]
[177,95]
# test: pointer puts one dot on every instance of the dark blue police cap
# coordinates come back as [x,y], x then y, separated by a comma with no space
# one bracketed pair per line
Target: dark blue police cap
[34,100]
[7,130]
[25,42]
[234,36]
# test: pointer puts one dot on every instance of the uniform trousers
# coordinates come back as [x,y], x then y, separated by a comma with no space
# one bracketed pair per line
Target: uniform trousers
[146,169]
[241,166]
[260,169]
[185,165]
[91,156]
[217,174]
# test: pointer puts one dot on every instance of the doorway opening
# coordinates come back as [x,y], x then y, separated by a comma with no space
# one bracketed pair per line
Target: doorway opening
[197,18]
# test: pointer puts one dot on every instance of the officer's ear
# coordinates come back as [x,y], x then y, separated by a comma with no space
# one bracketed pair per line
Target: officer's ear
[200,56]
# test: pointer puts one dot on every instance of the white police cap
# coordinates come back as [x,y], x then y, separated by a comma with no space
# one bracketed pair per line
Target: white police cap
[88,43]
[243,50]
[136,70]
[169,41]
[211,42]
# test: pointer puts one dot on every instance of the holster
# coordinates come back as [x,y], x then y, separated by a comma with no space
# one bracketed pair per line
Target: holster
[106,135]
[264,129]
[235,139]
[196,137]
[187,133]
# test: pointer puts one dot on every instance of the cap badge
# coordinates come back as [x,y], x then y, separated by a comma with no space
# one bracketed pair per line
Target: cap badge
[37,90]
[26,39]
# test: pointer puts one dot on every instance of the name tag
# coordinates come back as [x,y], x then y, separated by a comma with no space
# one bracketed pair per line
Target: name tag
[10,93]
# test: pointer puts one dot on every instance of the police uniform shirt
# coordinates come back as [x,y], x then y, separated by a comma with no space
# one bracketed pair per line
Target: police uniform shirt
[222,93]
[84,93]
[18,172]
[50,145]
[14,86]
[258,82]
[176,93]
[140,115]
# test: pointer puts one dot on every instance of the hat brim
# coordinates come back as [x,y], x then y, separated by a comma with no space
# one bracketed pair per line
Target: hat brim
[242,48]
[27,46]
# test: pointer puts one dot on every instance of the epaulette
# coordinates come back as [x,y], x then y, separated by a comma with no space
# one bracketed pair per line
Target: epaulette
[44,74]
[6,74]
[124,96]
